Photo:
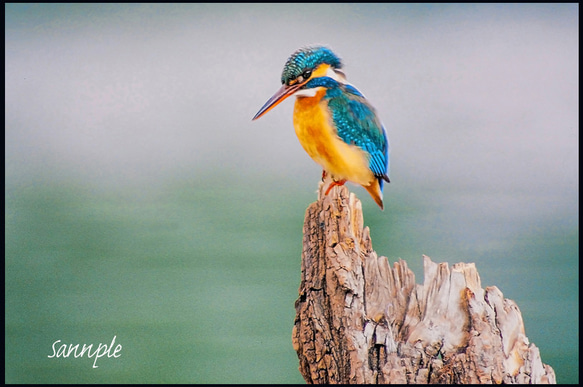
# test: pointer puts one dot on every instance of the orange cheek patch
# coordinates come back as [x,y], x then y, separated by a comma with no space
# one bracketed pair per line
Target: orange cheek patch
[320,71]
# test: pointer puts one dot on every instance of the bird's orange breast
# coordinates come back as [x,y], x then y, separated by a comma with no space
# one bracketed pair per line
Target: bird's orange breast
[315,130]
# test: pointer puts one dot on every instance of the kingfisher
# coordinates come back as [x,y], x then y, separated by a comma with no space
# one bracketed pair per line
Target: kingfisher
[336,125]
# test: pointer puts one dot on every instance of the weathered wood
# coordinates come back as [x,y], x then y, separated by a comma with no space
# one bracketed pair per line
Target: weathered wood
[360,321]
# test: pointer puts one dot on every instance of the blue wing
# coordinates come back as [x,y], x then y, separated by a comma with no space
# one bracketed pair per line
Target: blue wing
[358,124]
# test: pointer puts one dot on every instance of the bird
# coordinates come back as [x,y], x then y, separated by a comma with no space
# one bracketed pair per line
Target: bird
[335,124]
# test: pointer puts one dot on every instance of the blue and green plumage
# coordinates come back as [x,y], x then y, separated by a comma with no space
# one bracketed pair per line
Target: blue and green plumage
[356,123]
[307,59]
[334,122]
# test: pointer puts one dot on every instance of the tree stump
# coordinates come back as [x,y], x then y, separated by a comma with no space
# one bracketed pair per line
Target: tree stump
[360,321]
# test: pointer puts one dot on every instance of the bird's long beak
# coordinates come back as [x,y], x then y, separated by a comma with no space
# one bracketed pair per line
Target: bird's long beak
[284,92]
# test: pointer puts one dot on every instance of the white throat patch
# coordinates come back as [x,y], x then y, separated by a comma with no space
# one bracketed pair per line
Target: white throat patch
[307,92]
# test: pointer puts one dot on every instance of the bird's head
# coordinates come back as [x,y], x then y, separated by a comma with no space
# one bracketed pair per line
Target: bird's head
[303,66]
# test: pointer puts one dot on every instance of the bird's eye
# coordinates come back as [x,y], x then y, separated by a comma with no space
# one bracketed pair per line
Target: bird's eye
[307,74]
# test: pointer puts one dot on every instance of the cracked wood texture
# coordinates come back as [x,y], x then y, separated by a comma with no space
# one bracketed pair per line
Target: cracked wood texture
[360,321]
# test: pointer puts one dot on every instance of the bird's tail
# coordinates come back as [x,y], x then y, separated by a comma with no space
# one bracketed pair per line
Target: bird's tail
[375,190]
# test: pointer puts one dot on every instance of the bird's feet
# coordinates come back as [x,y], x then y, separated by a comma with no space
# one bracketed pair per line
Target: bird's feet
[333,183]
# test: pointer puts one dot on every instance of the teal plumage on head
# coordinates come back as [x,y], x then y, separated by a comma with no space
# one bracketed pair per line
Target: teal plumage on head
[307,59]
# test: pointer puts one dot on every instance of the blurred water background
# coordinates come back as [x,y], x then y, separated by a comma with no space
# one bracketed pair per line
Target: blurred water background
[143,203]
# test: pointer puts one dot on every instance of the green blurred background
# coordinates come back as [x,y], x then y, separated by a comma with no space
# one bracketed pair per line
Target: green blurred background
[143,203]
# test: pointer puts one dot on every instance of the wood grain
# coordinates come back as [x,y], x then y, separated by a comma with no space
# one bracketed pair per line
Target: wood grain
[359,320]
